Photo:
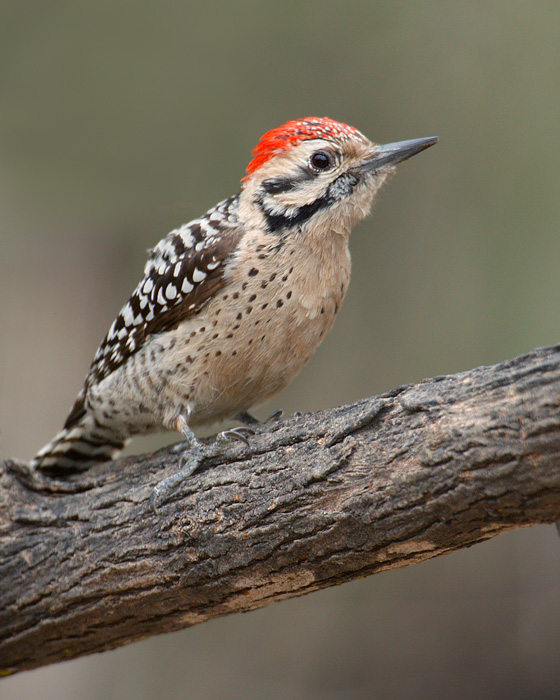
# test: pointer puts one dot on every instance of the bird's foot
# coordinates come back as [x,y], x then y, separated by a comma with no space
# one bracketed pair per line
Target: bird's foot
[192,455]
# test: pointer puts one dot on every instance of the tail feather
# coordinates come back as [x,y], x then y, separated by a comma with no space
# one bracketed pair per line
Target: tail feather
[76,448]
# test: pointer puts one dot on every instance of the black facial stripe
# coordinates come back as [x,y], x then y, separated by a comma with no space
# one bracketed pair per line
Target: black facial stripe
[285,184]
[339,188]
[280,185]
[277,221]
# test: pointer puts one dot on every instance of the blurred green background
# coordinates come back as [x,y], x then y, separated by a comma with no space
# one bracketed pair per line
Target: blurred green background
[120,120]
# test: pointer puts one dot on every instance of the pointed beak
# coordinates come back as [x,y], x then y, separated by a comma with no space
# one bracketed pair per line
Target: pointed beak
[393,153]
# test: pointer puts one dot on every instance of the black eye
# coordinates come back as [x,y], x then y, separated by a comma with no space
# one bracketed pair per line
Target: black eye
[321,160]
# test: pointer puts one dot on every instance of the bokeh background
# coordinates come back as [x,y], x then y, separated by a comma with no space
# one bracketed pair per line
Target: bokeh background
[121,119]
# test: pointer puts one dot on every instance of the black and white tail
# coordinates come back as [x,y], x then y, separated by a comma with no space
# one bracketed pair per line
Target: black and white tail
[80,444]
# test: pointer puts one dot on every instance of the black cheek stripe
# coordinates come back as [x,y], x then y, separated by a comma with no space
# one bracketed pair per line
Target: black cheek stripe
[339,188]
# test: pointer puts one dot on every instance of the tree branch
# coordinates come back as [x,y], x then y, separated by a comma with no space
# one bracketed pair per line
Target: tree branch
[315,500]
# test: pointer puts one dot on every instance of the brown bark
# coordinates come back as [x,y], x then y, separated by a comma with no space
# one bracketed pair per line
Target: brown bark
[314,501]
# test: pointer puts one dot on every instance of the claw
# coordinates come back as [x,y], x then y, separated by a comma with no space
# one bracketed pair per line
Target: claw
[248,419]
[276,416]
[240,433]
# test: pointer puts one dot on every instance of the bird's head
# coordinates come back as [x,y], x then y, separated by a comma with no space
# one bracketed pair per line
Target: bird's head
[317,171]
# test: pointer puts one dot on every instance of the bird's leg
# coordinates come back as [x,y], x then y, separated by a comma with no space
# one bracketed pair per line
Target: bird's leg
[191,457]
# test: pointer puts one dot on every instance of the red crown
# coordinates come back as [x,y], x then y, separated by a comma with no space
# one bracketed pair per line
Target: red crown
[283,137]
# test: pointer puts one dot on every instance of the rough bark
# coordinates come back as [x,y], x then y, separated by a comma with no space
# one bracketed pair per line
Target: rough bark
[314,501]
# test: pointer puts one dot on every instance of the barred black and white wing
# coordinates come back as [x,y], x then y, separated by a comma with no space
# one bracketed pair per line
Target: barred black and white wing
[183,272]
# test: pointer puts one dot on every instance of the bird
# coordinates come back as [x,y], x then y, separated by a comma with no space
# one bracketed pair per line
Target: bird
[233,304]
